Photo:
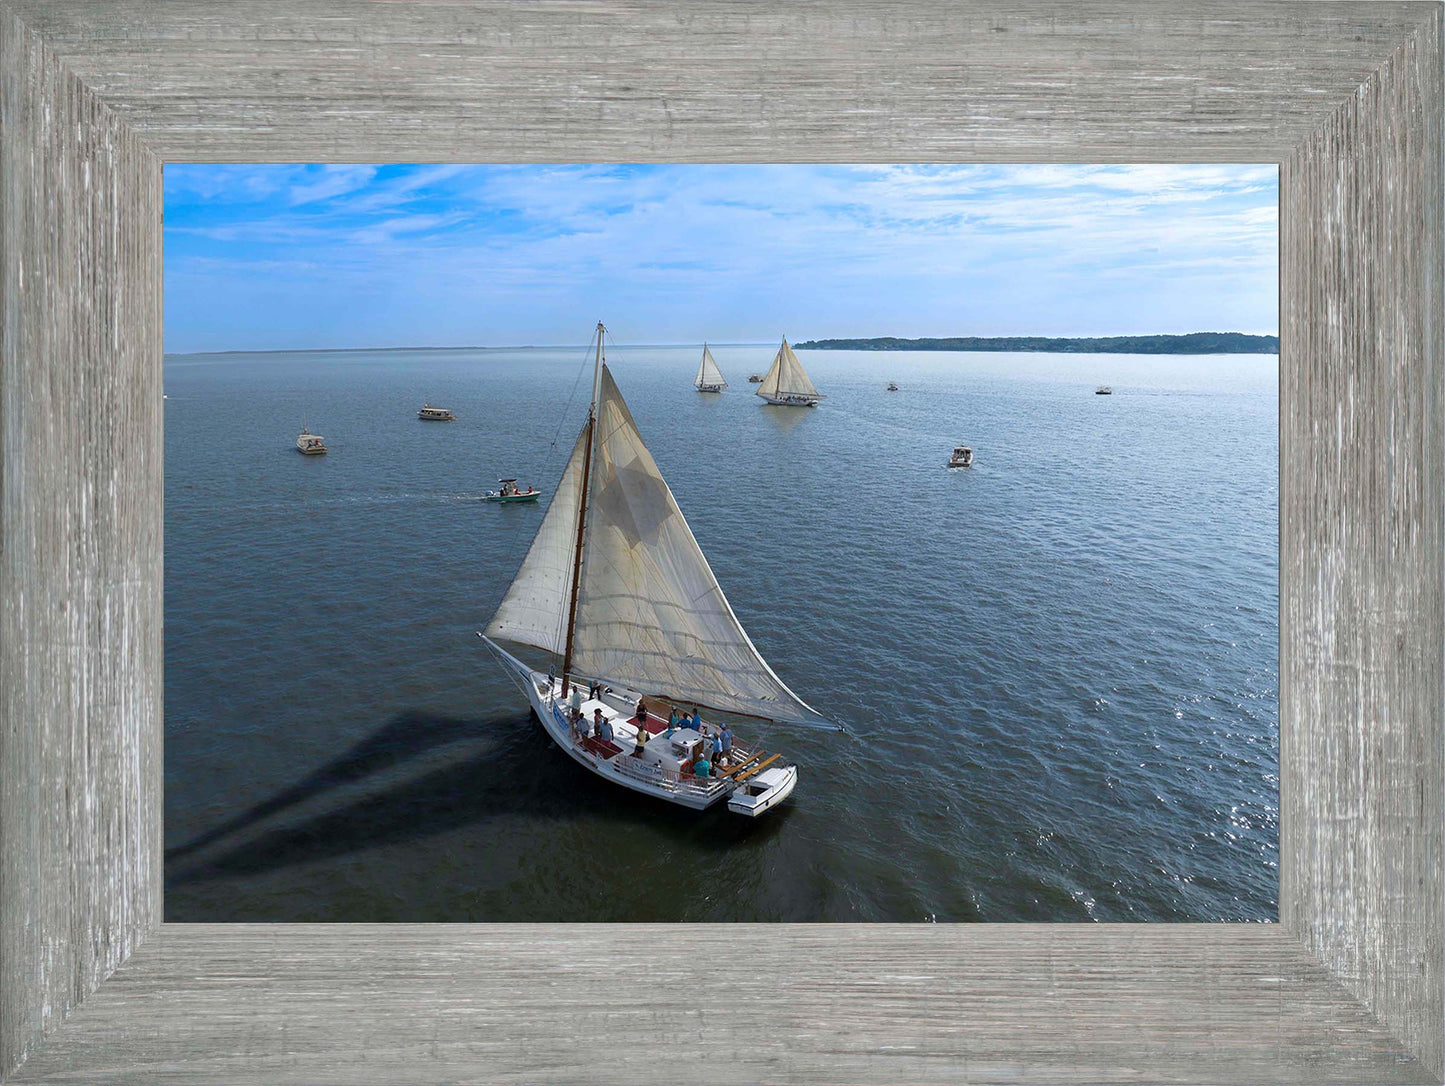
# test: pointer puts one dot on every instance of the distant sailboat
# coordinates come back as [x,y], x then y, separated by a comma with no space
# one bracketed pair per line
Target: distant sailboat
[787,383]
[615,585]
[709,377]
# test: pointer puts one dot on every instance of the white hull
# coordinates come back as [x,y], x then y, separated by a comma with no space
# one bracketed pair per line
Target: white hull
[779,787]
[791,401]
[710,388]
[551,708]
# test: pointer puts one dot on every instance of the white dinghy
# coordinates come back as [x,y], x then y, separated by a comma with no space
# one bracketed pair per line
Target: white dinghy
[709,377]
[615,585]
[787,384]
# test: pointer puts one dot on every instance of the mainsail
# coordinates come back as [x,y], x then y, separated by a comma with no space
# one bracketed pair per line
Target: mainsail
[707,372]
[787,376]
[649,613]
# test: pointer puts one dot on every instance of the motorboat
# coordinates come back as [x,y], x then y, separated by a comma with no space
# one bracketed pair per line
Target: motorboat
[428,413]
[962,457]
[508,491]
[309,444]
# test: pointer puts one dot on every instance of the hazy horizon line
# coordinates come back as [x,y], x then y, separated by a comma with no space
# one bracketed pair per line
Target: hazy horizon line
[689,343]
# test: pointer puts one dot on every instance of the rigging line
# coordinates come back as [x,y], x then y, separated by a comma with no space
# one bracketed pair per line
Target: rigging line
[576,383]
[498,657]
[511,548]
[585,483]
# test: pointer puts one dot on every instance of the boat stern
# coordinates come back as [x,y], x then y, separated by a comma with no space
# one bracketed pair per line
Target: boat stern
[763,792]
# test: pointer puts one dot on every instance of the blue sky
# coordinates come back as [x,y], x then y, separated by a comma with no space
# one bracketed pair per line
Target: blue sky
[274,257]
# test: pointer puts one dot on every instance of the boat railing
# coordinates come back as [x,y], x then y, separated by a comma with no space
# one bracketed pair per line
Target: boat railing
[627,765]
[669,779]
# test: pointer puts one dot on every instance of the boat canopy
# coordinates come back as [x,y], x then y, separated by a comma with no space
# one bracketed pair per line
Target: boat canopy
[787,376]
[707,372]
[650,614]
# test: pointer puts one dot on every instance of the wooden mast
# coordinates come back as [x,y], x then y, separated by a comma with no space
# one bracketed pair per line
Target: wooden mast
[581,519]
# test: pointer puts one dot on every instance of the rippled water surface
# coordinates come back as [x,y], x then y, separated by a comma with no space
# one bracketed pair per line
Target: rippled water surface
[1059,668]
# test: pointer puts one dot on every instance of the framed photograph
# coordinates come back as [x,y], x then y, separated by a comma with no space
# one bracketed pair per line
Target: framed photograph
[135,948]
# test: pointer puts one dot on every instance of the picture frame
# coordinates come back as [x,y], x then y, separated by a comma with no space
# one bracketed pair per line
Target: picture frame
[1346,97]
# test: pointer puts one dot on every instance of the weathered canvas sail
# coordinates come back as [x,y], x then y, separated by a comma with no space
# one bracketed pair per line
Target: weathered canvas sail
[534,610]
[650,613]
[708,373]
[787,376]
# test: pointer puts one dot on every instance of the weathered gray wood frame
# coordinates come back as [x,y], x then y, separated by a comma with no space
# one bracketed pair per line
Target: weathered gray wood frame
[1346,97]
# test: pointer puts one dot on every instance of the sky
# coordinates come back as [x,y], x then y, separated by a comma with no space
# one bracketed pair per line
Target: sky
[302,256]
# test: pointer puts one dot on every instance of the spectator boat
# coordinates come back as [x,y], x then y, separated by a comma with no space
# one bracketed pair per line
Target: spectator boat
[962,457]
[309,444]
[615,586]
[508,491]
[428,413]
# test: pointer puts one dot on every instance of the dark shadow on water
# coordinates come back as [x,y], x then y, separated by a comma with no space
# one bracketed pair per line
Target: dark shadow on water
[406,737]
[522,774]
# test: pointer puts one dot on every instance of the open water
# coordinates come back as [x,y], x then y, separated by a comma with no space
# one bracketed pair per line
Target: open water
[1059,668]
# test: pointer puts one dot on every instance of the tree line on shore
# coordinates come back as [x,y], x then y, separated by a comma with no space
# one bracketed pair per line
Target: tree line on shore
[1190,343]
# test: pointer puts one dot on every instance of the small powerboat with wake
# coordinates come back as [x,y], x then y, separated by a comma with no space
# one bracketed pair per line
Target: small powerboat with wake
[509,492]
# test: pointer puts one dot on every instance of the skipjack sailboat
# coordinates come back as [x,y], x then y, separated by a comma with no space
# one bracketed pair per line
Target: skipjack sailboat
[709,377]
[615,584]
[787,383]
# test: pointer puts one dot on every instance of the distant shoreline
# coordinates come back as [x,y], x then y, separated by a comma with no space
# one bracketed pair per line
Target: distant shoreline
[1191,343]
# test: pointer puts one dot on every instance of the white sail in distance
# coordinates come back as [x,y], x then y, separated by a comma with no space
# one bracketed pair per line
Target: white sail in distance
[708,373]
[787,377]
[534,610]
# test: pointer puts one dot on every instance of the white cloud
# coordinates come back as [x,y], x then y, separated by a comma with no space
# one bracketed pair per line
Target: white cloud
[332,181]
[828,250]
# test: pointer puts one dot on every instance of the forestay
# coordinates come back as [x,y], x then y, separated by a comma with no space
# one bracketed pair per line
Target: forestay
[787,376]
[707,372]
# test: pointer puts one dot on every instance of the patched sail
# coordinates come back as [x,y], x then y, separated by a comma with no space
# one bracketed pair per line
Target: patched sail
[534,610]
[707,372]
[787,376]
[650,613]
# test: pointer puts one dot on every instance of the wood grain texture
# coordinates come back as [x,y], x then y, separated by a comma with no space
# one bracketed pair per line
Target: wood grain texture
[1347,96]
[1362,508]
[80,541]
[871,1003]
[726,80]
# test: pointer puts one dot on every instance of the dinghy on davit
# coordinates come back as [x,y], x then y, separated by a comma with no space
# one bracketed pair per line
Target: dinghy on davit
[615,585]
